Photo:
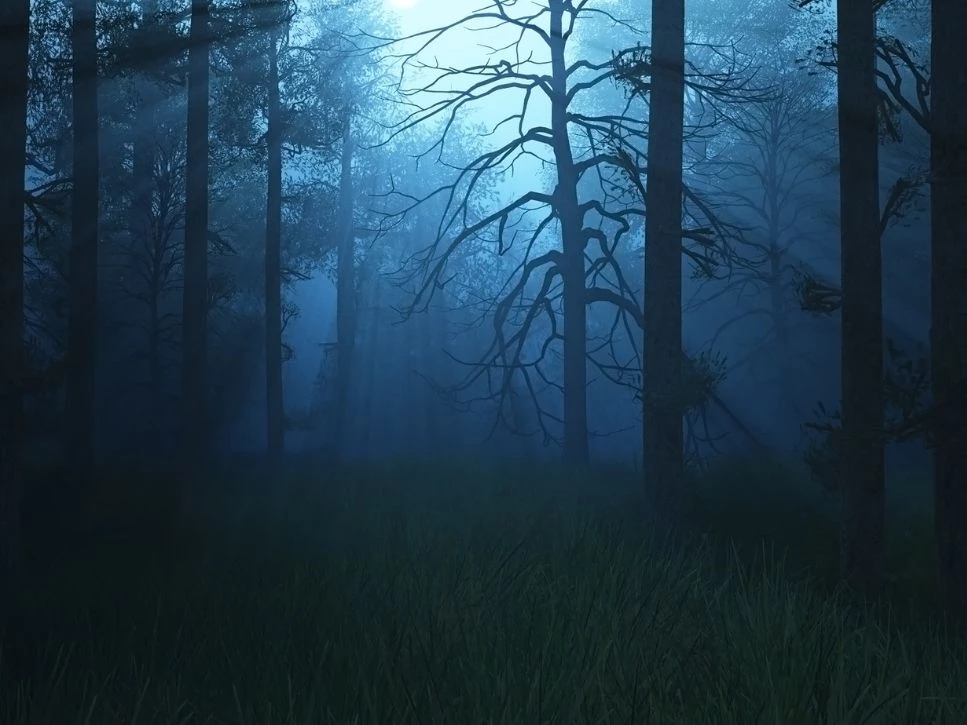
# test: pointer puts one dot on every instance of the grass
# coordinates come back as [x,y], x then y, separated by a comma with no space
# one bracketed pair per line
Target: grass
[453,594]
[750,502]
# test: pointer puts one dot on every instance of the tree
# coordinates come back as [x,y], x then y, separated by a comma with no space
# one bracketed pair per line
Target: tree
[862,457]
[142,209]
[948,208]
[286,102]
[565,266]
[14,83]
[145,115]
[194,423]
[767,173]
[935,105]
[82,325]
[662,357]
[573,239]
[275,412]
[150,262]
[564,239]
[345,291]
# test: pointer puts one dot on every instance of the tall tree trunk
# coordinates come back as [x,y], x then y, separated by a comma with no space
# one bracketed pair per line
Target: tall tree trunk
[194,411]
[433,344]
[155,374]
[862,464]
[142,172]
[662,379]
[372,286]
[275,412]
[948,160]
[82,323]
[15,20]
[144,236]
[345,294]
[782,359]
[772,143]
[573,241]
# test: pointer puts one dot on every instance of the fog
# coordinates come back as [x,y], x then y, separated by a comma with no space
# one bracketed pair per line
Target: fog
[417,387]
[751,410]
[483,361]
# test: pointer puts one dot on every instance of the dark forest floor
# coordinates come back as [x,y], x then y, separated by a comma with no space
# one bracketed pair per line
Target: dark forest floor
[464,594]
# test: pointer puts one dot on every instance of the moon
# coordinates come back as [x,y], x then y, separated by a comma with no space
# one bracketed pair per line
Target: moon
[403,4]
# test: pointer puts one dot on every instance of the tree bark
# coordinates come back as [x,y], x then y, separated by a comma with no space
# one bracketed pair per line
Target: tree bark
[662,379]
[573,241]
[82,322]
[15,20]
[275,413]
[345,295]
[194,411]
[948,207]
[862,464]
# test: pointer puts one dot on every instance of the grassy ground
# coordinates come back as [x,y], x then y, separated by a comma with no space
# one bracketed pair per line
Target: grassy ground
[462,594]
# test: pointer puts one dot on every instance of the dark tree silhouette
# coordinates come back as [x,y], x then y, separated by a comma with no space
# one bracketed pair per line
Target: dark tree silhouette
[552,287]
[195,304]
[345,291]
[858,439]
[275,412]
[862,464]
[149,247]
[560,273]
[768,177]
[664,411]
[83,274]
[14,59]
[948,179]
[150,261]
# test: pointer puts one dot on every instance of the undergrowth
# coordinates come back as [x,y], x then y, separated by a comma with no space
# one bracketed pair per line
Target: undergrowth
[451,594]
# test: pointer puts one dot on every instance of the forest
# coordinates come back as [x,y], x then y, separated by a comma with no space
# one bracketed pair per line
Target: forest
[483,361]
